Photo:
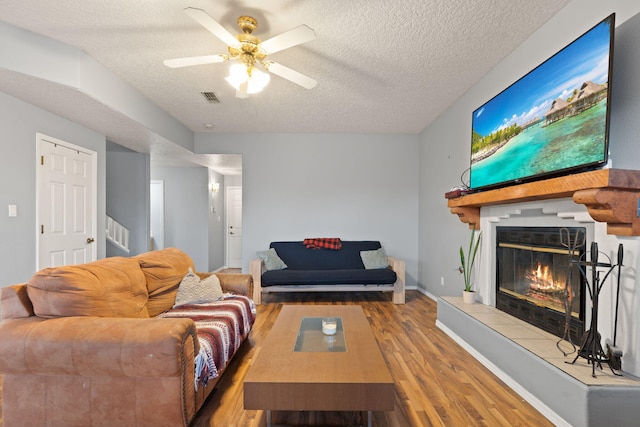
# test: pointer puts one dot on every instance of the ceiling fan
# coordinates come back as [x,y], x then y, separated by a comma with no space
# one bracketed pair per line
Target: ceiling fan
[249,52]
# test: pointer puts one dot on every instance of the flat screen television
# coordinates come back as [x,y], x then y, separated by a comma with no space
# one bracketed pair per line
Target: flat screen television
[553,121]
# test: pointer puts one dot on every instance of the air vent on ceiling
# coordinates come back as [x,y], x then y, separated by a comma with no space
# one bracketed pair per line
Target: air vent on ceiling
[211,97]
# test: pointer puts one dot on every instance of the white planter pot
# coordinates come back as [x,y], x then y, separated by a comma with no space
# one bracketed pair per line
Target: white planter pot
[469,297]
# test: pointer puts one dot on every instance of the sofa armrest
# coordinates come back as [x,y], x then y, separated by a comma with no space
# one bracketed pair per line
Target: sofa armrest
[241,284]
[398,266]
[15,302]
[98,346]
[256,268]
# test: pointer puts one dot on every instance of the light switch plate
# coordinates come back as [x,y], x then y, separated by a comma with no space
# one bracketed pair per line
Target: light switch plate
[13,210]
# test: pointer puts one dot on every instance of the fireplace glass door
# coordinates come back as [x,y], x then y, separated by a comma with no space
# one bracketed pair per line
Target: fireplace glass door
[537,278]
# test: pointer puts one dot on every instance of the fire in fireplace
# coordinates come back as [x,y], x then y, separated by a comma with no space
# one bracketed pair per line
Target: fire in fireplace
[536,280]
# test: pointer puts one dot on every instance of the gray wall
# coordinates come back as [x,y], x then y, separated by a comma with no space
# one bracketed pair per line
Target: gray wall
[386,187]
[625,97]
[186,198]
[20,122]
[127,196]
[445,144]
[354,187]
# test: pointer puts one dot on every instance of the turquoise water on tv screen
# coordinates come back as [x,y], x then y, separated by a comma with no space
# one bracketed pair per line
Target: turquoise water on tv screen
[568,143]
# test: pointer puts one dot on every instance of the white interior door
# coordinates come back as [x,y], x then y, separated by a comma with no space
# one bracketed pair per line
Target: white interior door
[234,226]
[66,203]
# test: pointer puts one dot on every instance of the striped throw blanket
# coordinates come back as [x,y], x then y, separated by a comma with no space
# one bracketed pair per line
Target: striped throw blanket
[332,243]
[221,326]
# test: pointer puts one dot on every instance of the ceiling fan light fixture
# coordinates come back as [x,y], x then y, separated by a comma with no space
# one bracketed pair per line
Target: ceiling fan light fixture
[247,51]
[237,75]
[254,79]
[258,80]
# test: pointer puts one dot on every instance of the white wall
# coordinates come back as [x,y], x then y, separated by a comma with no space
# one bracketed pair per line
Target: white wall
[20,122]
[355,187]
[445,144]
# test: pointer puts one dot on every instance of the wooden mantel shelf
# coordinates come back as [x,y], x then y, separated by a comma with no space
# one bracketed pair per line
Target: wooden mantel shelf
[610,195]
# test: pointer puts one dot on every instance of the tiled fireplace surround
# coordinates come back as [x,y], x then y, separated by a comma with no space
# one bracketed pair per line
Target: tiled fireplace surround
[527,358]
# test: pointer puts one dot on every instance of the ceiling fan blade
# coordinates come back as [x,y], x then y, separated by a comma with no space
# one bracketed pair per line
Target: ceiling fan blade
[289,74]
[298,35]
[194,60]
[201,17]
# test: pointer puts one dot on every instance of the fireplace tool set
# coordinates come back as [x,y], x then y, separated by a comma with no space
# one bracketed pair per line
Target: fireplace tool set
[573,244]
[590,343]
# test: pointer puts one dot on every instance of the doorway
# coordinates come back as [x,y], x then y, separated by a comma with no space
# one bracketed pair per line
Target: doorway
[233,203]
[66,203]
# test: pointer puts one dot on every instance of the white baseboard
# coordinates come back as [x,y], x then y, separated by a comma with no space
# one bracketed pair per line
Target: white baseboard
[428,294]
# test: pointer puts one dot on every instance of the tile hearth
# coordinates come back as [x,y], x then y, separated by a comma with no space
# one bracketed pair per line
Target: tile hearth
[526,359]
[542,344]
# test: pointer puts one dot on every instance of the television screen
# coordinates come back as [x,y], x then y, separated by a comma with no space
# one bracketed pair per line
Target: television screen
[553,121]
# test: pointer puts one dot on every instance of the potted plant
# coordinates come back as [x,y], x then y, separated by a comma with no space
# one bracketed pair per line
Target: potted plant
[466,267]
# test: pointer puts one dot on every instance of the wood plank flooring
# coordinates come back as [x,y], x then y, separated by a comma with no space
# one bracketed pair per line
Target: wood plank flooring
[437,382]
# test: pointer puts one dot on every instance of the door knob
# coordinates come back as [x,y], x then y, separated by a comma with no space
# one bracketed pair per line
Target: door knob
[90,239]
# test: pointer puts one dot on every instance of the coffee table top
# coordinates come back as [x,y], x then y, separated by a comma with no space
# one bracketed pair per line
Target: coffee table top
[311,337]
[283,379]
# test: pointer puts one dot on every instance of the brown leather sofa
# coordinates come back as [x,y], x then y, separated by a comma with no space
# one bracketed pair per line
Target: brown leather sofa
[81,346]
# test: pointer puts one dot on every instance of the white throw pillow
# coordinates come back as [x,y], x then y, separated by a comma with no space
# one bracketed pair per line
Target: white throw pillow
[192,290]
[374,259]
[271,259]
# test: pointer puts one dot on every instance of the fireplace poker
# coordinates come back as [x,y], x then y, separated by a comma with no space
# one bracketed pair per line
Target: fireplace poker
[614,353]
[572,246]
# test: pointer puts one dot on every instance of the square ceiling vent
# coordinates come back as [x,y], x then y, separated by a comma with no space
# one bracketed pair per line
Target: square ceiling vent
[210,97]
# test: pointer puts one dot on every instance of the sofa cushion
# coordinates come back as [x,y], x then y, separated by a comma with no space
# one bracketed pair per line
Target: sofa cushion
[163,270]
[110,287]
[298,257]
[383,276]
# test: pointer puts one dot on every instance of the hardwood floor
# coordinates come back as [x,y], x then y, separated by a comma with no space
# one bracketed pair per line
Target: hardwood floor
[437,382]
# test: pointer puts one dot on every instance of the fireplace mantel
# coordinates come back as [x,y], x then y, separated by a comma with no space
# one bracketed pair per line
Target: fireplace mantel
[610,196]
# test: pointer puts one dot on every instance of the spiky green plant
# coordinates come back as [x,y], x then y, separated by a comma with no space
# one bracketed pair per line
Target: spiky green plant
[465,269]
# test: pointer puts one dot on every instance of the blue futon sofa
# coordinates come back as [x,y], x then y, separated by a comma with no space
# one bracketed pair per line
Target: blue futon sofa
[326,270]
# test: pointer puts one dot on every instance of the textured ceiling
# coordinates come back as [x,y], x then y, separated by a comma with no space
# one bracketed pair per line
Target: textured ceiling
[382,66]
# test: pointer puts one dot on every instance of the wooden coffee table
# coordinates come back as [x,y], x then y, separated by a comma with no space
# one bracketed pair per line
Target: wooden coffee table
[300,369]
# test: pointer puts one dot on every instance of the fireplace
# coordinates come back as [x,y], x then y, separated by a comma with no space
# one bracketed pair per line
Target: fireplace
[536,280]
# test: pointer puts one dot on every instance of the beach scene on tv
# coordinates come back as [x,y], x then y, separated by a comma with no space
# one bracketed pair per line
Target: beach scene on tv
[552,119]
